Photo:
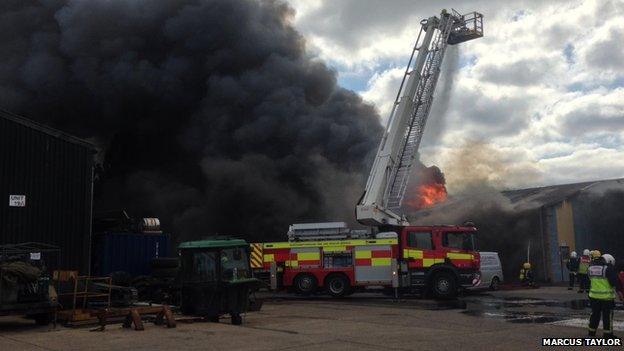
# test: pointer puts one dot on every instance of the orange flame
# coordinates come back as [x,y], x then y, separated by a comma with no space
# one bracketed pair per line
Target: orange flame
[428,195]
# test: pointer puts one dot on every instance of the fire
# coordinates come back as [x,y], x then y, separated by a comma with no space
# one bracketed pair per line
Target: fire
[427,196]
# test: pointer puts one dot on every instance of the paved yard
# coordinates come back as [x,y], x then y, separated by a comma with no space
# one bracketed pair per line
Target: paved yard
[508,320]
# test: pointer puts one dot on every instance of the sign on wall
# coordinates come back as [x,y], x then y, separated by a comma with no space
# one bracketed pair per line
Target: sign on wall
[17,200]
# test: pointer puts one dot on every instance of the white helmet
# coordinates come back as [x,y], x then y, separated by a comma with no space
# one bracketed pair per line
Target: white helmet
[586,252]
[609,259]
[573,254]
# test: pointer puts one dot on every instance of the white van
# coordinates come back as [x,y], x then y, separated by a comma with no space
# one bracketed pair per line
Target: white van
[491,271]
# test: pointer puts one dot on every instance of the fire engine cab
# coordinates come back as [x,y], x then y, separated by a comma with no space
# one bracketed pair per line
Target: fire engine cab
[330,257]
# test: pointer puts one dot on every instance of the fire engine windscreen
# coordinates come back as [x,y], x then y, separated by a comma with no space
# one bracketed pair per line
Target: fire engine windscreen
[461,241]
[210,114]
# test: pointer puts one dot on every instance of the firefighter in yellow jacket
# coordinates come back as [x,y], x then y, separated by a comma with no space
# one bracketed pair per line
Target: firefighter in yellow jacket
[526,274]
[582,271]
[604,287]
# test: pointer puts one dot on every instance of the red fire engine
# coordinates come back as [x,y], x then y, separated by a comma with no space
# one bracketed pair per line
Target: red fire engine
[440,259]
[400,256]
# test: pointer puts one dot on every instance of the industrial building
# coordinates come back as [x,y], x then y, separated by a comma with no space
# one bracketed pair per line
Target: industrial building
[574,217]
[46,186]
[541,225]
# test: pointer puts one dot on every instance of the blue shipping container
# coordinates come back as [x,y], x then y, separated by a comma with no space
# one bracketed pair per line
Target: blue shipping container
[128,252]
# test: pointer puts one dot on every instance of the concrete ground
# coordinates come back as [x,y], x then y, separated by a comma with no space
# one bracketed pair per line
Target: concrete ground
[504,320]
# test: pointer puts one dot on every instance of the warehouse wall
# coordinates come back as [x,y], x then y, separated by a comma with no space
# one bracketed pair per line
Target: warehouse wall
[582,230]
[55,173]
[565,225]
[555,267]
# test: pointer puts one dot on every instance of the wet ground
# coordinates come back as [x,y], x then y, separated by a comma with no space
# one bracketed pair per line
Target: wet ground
[546,305]
[556,306]
[505,320]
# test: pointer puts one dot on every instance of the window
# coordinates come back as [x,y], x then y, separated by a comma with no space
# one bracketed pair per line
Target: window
[421,240]
[461,241]
[234,264]
[337,259]
[199,266]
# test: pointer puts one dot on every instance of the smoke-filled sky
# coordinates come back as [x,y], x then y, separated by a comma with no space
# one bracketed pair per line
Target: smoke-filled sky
[210,114]
[542,93]
[243,116]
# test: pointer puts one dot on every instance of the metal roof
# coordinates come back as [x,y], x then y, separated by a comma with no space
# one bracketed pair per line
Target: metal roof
[207,244]
[45,129]
[550,195]
[521,199]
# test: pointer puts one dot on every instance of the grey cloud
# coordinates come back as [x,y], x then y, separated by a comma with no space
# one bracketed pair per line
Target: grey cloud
[525,72]
[608,53]
[350,23]
[592,119]
[482,116]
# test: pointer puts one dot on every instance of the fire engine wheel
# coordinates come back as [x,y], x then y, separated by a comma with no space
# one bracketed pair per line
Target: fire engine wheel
[444,285]
[337,285]
[495,285]
[305,284]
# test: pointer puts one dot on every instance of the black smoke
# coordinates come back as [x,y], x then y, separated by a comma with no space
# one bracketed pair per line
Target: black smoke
[509,227]
[209,114]
[502,227]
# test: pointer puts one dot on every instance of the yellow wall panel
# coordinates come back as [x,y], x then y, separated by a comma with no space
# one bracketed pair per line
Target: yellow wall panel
[565,225]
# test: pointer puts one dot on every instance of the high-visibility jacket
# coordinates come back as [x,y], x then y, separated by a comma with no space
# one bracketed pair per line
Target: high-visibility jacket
[584,264]
[526,274]
[601,288]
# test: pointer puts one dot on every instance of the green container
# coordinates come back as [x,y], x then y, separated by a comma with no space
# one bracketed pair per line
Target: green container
[215,279]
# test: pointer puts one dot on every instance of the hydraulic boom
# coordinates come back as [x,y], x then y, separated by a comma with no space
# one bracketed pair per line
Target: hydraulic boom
[387,181]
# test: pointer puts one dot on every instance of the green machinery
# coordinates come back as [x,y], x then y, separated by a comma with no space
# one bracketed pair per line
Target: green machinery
[215,279]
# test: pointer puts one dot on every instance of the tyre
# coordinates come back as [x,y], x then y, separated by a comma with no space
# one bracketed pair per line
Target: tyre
[444,285]
[495,284]
[305,284]
[337,285]
[42,318]
[121,278]
[237,319]
[165,262]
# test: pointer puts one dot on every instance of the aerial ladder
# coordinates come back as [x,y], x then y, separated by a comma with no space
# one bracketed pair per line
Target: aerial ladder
[339,259]
[381,202]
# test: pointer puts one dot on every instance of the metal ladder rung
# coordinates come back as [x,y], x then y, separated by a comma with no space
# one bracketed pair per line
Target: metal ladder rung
[420,110]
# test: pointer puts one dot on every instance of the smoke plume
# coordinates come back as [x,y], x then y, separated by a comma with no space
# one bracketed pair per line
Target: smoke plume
[436,123]
[208,113]
[426,188]
[478,165]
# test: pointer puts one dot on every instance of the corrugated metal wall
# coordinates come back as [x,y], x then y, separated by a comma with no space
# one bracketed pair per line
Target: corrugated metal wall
[555,274]
[128,252]
[55,173]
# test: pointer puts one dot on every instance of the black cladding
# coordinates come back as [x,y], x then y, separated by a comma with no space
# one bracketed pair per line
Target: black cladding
[46,184]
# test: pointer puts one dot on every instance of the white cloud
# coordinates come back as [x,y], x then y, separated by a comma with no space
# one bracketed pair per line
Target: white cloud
[382,90]
[544,85]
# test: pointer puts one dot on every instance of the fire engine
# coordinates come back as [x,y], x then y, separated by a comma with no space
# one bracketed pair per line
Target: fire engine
[392,253]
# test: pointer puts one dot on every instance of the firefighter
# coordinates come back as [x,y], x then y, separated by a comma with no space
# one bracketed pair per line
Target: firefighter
[573,267]
[595,255]
[604,286]
[526,274]
[582,271]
